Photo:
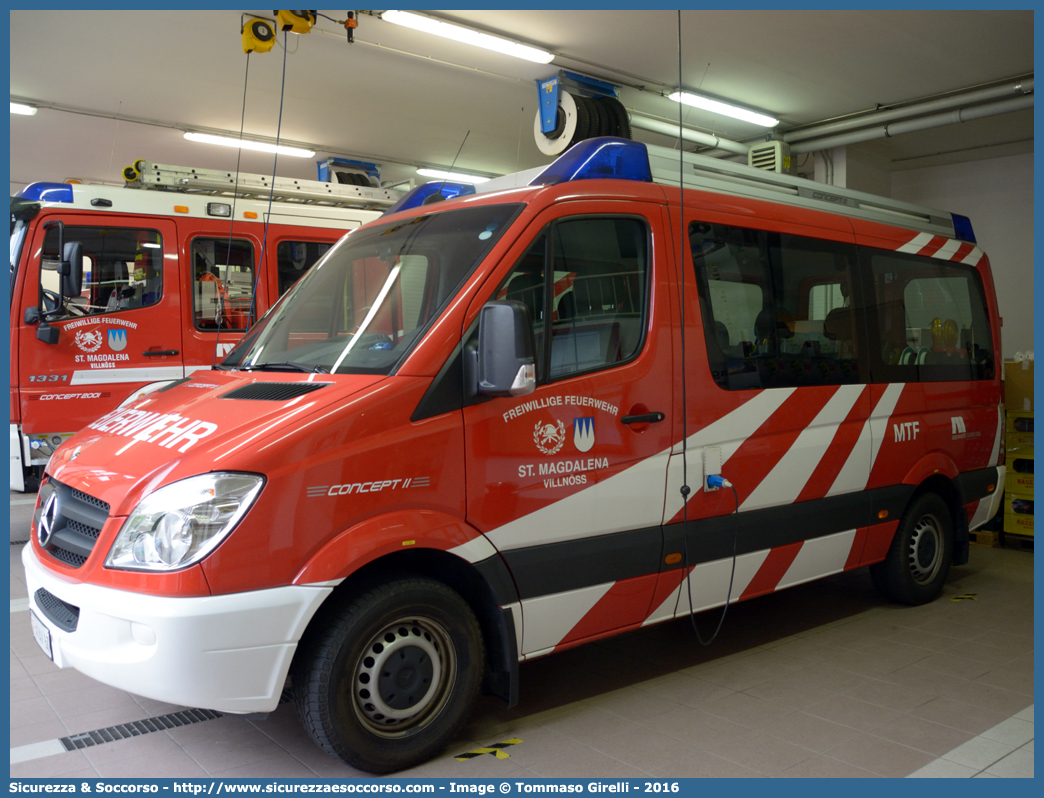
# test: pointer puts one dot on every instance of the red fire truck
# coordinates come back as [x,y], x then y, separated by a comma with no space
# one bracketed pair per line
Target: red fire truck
[488,429]
[154,284]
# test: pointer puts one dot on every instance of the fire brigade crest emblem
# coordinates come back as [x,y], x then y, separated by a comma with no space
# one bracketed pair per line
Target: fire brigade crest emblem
[89,340]
[549,438]
[583,434]
[117,340]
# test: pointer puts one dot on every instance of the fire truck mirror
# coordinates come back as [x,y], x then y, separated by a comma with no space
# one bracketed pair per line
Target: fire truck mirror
[46,333]
[505,366]
[72,269]
[32,315]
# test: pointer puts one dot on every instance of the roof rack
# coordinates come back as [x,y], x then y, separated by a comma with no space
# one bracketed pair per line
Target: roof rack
[726,177]
[167,177]
[621,158]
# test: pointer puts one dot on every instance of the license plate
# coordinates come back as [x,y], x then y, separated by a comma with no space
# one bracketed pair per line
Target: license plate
[41,633]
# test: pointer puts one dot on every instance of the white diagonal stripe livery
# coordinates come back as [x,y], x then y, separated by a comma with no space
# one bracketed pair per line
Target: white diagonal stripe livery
[634,498]
[786,480]
[998,436]
[551,618]
[917,243]
[729,432]
[973,257]
[709,583]
[879,418]
[474,550]
[819,557]
[947,250]
[855,473]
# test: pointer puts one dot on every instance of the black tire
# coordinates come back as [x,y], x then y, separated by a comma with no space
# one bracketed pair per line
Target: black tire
[419,643]
[918,560]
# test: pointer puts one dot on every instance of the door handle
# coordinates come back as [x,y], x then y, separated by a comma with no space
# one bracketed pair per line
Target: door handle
[160,352]
[645,418]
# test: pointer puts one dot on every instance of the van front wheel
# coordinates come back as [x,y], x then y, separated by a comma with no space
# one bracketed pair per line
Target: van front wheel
[918,560]
[394,677]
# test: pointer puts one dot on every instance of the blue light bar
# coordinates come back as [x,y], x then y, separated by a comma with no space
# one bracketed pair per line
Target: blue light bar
[962,228]
[605,157]
[47,192]
[422,195]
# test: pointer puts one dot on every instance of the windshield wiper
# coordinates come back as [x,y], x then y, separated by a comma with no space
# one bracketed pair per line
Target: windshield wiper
[285,366]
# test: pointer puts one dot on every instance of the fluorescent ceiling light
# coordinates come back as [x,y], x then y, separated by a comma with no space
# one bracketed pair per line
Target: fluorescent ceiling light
[725,109]
[24,110]
[456,177]
[468,36]
[247,144]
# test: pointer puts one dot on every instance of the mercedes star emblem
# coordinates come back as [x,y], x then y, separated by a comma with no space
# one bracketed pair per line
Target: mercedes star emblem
[45,528]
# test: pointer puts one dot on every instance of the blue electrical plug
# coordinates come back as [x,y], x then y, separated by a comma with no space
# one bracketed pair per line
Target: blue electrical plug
[716,481]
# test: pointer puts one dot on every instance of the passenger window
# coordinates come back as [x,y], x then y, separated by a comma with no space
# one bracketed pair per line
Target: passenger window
[932,323]
[222,283]
[295,258]
[122,269]
[585,281]
[778,310]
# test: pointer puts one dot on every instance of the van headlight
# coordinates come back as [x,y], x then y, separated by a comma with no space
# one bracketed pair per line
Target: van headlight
[182,523]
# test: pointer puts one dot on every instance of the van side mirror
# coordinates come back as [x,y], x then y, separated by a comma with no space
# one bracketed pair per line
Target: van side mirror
[71,269]
[504,363]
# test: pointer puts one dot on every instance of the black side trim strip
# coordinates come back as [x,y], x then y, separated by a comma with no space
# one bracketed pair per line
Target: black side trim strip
[498,577]
[557,567]
[973,485]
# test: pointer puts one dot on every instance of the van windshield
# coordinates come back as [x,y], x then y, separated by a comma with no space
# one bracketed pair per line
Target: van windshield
[363,306]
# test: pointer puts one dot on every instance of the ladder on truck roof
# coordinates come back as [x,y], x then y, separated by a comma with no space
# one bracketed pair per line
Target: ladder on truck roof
[726,177]
[167,177]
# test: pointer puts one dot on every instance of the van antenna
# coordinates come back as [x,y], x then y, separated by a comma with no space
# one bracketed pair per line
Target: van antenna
[455,157]
[685,489]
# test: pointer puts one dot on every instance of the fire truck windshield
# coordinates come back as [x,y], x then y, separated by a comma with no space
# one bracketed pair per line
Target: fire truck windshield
[363,306]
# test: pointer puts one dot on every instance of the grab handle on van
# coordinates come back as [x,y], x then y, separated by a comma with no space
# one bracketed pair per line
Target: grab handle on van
[644,418]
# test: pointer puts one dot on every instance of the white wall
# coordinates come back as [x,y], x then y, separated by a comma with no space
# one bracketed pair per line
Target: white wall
[997,195]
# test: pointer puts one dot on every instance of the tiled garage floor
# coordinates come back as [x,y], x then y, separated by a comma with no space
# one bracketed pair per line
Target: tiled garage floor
[823,679]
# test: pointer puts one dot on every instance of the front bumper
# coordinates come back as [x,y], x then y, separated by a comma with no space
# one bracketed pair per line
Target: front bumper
[229,653]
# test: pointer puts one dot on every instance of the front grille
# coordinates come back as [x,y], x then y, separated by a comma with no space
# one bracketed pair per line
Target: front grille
[67,557]
[274,391]
[78,520]
[80,496]
[64,616]
[83,529]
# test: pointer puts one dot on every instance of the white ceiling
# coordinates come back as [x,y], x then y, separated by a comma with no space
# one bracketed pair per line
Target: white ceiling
[404,98]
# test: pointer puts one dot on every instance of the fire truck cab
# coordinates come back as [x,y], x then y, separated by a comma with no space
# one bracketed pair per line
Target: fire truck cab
[484,430]
[115,291]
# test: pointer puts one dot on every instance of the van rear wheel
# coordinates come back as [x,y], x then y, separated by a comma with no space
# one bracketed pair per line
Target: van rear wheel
[918,561]
[393,678]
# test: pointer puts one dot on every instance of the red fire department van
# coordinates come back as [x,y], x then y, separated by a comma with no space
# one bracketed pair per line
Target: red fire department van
[155,289]
[459,443]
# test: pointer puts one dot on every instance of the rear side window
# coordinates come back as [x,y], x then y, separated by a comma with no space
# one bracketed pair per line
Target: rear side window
[931,320]
[778,310]
[585,283]
[222,283]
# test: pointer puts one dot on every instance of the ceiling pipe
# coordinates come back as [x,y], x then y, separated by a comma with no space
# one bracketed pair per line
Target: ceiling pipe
[704,139]
[912,125]
[1019,89]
